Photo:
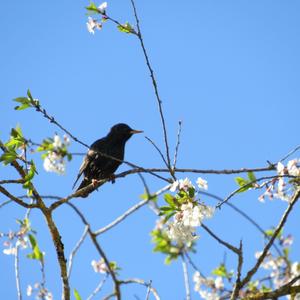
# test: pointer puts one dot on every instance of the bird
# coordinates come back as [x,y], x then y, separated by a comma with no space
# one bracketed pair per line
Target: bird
[96,166]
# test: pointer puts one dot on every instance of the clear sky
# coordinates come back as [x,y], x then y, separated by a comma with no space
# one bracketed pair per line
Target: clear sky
[228,69]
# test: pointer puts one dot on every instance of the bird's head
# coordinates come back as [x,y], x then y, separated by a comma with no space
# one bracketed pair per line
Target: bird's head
[122,132]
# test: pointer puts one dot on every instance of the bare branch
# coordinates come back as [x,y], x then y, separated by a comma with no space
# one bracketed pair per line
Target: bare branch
[142,282]
[158,150]
[250,184]
[287,289]
[246,216]
[12,181]
[227,245]
[15,199]
[237,287]
[117,291]
[75,249]
[186,279]
[130,211]
[177,145]
[283,220]
[290,153]
[59,247]
[154,83]
[98,288]
[17,274]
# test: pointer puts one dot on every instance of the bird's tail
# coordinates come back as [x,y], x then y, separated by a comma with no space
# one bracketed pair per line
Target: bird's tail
[85,182]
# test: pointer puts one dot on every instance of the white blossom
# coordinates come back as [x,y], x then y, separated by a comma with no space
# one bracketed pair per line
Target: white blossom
[22,242]
[48,296]
[202,184]
[181,234]
[280,168]
[181,184]
[102,7]
[199,280]
[10,251]
[292,167]
[192,215]
[57,143]
[54,163]
[92,24]
[206,295]
[99,266]
[29,290]
[219,284]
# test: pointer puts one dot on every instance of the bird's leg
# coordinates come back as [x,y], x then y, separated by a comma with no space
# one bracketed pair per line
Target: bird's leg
[94,182]
[112,178]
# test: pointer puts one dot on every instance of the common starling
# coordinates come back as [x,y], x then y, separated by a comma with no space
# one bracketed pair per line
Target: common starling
[96,166]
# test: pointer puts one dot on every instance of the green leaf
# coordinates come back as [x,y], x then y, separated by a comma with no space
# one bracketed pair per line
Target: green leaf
[251,176]
[31,171]
[243,184]
[127,28]
[220,271]
[76,295]
[92,7]
[8,157]
[36,254]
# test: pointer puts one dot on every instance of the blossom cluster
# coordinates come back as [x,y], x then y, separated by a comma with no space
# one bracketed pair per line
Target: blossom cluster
[40,291]
[176,229]
[93,24]
[280,187]
[99,266]
[54,159]
[209,288]
[16,240]
[189,214]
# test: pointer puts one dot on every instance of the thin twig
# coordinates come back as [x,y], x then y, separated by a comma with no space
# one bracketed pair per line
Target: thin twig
[287,289]
[227,245]
[250,184]
[15,199]
[129,212]
[290,153]
[98,288]
[246,216]
[158,150]
[142,282]
[177,144]
[117,291]
[236,290]
[75,249]
[17,273]
[5,202]
[154,83]
[186,279]
[186,254]
[12,181]
[148,290]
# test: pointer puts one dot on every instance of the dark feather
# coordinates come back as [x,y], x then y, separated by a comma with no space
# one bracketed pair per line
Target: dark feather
[97,166]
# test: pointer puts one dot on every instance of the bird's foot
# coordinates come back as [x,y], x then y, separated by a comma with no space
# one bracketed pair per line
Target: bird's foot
[94,182]
[112,178]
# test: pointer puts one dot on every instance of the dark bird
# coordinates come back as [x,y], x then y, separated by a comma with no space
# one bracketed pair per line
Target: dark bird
[96,166]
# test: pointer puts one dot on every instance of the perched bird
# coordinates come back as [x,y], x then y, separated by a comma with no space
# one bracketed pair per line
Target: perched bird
[96,166]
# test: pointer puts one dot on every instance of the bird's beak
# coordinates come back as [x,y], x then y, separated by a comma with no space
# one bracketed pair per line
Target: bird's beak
[136,131]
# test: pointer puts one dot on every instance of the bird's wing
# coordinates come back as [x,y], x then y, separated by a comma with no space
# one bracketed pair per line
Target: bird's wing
[86,162]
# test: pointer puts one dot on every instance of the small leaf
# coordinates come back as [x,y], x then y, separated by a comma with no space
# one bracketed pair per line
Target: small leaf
[36,254]
[92,7]
[127,28]
[29,95]
[76,295]
[251,176]
[8,157]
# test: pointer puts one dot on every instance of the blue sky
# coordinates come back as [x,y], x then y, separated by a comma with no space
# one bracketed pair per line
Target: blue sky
[228,69]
